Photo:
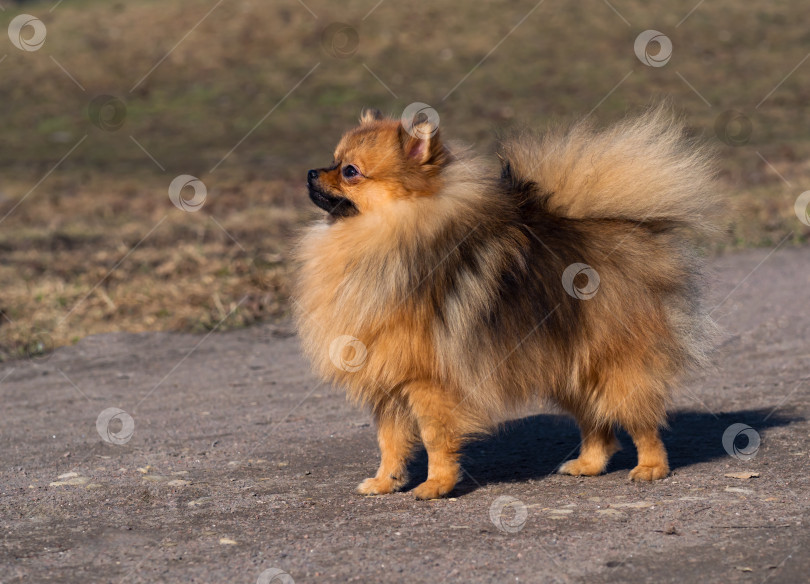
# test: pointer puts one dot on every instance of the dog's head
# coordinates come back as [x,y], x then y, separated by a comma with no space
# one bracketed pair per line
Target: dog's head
[377,163]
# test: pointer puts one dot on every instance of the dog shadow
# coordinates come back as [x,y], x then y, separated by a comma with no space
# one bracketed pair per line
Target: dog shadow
[534,447]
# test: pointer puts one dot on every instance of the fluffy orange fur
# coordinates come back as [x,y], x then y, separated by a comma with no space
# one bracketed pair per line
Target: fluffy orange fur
[433,289]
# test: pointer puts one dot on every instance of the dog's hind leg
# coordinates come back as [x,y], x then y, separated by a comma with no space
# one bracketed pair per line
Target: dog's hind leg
[637,401]
[597,446]
[652,456]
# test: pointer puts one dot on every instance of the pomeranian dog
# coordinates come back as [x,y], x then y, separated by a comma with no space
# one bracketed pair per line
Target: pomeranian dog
[446,294]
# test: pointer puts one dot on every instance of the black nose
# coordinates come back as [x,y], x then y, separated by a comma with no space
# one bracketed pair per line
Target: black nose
[312,175]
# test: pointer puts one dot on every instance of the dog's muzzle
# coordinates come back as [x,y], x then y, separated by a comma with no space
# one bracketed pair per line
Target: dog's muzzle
[335,205]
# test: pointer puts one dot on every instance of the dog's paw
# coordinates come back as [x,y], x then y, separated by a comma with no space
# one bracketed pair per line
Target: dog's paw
[578,467]
[649,473]
[433,489]
[378,486]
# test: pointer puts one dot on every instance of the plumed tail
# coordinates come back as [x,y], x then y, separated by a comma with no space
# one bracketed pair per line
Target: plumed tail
[641,169]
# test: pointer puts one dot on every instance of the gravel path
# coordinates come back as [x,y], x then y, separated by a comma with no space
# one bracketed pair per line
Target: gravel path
[241,466]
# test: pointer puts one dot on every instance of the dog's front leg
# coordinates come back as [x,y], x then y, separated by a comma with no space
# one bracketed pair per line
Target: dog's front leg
[396,434]
[437,421]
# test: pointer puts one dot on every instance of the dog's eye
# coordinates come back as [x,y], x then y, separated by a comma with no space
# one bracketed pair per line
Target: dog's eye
[350,171]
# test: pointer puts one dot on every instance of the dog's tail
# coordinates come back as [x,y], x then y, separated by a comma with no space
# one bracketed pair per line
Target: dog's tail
[641,169]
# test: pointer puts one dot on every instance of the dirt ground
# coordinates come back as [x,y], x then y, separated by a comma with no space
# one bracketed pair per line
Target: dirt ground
[241,468]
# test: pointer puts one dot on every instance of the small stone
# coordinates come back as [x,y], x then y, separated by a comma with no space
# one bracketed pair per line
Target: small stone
[738,490]
[634,505]
[76,480]
[154,478]
[742,475]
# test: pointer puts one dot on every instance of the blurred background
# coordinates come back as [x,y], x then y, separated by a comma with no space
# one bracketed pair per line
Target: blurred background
[105,103]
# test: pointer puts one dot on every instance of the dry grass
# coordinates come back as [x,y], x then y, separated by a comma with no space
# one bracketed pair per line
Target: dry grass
[79,255]
[81,263]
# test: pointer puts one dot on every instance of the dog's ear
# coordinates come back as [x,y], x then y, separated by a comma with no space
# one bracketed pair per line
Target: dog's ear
[421,142]
[370,115]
